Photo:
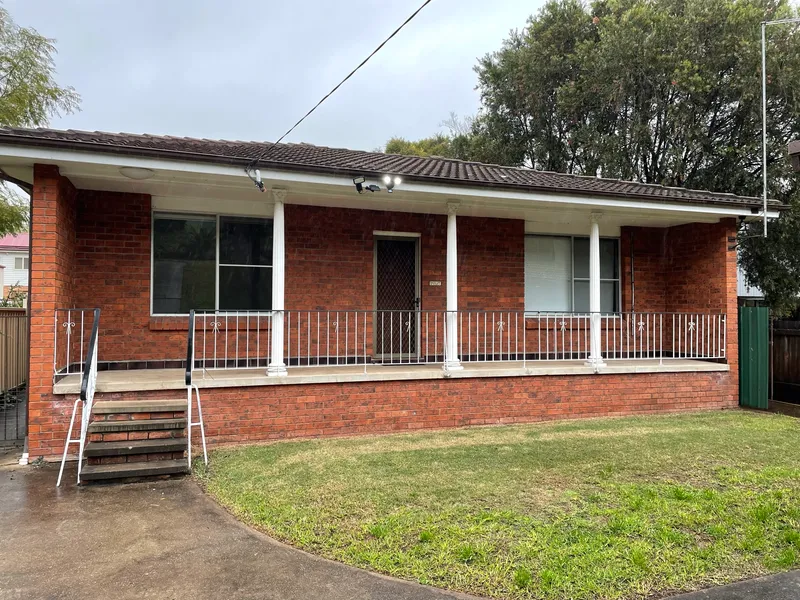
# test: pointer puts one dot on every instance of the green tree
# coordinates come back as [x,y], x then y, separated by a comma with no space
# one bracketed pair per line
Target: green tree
[658,91]
[29,96]
[437,145]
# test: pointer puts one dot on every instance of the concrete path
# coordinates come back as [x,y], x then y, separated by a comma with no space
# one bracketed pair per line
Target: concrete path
[785,586]
[167,540]
[163,540]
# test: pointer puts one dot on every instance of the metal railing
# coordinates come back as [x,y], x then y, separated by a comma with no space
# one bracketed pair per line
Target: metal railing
[86,398]
[328,338]
[193,393]
[72,328]
[230,339]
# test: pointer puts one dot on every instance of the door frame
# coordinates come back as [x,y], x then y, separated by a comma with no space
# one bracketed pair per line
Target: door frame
[404,236]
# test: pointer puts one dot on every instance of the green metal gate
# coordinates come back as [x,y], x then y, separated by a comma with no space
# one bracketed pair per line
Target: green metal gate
[754,356]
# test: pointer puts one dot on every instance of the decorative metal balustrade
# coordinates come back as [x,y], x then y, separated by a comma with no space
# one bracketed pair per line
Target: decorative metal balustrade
[86,397]
[72,329]
[330,338]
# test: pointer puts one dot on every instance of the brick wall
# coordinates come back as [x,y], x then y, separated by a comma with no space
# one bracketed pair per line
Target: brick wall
[93,248]
[287,411]
[53,214]
[113,265]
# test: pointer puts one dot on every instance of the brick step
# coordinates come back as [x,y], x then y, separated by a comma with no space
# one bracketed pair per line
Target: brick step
[137,470]
[126,448]
[134,458]
[136,425]
[111,407]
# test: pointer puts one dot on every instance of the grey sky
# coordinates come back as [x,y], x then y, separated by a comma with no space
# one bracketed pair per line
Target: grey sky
[244,69]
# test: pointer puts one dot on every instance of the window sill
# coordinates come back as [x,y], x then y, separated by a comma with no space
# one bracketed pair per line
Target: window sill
[181,323]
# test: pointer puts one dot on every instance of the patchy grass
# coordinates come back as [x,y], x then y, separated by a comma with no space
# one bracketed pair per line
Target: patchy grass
[607,508]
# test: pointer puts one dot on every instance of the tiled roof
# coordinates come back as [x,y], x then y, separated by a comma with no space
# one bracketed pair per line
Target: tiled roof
[14,242]
[319,159]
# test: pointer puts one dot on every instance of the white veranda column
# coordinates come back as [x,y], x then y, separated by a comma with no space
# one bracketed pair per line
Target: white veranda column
[595,355]
[276,365]
[451,359]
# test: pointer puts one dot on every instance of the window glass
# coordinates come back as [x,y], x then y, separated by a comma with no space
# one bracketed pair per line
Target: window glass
[184,264]
[609,258]
[245,288]
[245,241]
[582,295]
[609,296]
[548,273]
[581,246]
[558,267]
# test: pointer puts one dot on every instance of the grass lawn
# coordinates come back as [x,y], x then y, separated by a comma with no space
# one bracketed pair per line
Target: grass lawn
[607,508]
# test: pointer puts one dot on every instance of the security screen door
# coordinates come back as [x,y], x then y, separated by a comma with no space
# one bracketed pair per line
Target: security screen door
[396,299]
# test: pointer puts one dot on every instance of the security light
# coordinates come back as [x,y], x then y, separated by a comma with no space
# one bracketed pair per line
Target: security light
[391,182]
[359,183]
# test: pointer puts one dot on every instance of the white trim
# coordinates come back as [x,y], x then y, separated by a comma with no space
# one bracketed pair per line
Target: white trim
[400,234]
[54,156]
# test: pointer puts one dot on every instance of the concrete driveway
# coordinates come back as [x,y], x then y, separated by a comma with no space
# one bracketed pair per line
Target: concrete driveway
[167,540]
[163,540]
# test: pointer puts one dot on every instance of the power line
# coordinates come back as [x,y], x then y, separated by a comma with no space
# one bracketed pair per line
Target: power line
[258,159]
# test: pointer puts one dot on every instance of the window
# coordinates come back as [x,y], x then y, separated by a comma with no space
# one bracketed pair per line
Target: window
[557,274]
[22,263]
[202,262]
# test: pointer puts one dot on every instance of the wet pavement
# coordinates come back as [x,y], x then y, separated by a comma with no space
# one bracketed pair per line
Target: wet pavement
[164,540]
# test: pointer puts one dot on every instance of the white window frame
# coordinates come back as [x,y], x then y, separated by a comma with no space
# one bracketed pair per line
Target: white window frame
[26,264]
[572,278]
[206,216]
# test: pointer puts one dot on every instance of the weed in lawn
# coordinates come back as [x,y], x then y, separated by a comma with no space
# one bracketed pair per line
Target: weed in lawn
[378,531]
[467,553]
[425,536]
[792,537]
[522,577]
[638,557]
[786,559]
[764,512]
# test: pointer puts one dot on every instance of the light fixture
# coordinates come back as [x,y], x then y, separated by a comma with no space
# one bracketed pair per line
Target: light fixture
[391,182]
[137,173]
[360,187]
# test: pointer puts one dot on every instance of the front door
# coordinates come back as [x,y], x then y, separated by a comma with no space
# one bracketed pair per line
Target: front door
[396,299]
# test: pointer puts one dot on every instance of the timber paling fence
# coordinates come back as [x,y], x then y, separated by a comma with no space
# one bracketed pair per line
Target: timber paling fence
[13,375]
[785,369]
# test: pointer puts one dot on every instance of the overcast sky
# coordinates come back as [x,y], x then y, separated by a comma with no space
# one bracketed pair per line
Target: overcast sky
[248,69]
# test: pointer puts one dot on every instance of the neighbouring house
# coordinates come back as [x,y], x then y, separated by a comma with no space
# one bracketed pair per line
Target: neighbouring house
[747,293]
[15,257]
[471,294]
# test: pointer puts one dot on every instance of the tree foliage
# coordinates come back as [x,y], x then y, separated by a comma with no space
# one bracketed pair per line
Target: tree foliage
[29,96]
[437,145]
[658,91]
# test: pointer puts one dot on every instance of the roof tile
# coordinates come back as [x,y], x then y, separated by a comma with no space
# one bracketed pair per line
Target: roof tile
[357,162]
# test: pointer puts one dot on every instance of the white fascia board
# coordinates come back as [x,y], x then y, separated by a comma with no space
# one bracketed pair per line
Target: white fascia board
[55,156]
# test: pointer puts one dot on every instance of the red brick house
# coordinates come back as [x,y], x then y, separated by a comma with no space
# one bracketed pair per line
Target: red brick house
[468,294]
